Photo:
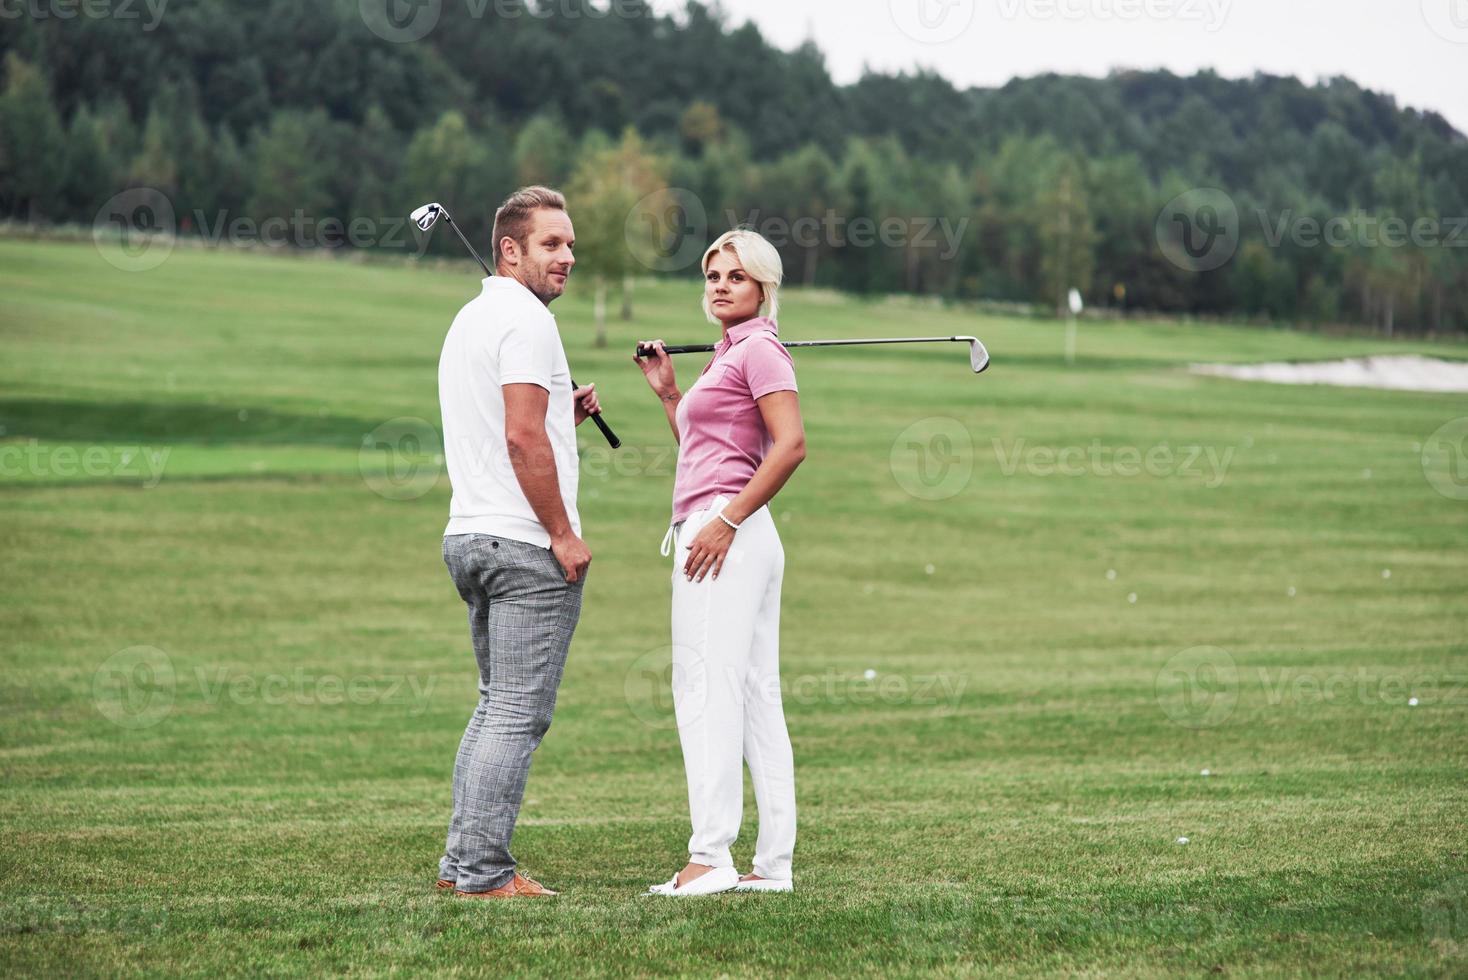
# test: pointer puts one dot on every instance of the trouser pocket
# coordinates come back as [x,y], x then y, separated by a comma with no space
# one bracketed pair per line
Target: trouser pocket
[697,521]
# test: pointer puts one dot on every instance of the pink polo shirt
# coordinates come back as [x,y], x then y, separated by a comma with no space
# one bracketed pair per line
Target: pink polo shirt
[721,435]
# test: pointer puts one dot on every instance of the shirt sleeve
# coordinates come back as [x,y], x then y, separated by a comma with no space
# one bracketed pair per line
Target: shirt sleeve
[527,353]
[768,367]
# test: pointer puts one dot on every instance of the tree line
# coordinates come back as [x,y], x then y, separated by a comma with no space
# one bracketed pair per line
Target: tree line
[1306,204]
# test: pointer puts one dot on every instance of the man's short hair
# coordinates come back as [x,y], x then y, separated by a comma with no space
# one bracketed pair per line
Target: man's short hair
[516,216]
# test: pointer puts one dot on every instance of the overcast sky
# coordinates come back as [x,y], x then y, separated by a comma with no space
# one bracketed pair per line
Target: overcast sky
[1416,50]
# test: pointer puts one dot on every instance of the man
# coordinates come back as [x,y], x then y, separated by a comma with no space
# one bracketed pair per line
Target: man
[513,543]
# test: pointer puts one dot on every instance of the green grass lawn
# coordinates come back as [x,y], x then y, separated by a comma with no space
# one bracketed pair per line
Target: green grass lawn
[236,672]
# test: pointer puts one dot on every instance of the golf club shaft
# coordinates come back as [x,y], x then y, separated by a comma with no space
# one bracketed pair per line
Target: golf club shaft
[707,348]
[606,430]
[455,225]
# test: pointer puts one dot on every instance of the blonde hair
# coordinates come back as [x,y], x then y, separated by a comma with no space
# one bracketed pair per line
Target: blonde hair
[515,217]
[759,258]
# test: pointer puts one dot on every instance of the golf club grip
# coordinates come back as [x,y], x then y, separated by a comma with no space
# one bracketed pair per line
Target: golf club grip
[684,349]
[606,430]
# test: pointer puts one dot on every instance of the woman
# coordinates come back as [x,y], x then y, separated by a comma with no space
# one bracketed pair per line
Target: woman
[740,437]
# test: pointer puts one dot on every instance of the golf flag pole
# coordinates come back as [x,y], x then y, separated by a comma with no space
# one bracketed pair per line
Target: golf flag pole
[1075,305]
[425,218]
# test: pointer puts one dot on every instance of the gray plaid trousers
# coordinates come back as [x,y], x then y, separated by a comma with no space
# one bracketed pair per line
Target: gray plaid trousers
[522,613]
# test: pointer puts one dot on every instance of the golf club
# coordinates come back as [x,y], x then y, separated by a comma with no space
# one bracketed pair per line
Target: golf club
[425,218]
[978,357]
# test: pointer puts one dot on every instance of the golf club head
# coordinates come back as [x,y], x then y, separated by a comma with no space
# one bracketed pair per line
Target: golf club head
[427,216]
[978,356]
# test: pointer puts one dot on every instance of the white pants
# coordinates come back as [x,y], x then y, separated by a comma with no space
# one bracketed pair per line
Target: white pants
[726,694]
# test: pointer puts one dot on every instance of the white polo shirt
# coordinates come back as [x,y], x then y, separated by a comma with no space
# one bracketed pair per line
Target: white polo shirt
[505,335]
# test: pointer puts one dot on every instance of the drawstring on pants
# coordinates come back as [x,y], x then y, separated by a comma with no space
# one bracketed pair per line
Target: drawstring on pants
[669,538]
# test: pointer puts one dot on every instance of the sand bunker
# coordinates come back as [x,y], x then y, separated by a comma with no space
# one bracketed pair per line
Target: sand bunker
[1397,372]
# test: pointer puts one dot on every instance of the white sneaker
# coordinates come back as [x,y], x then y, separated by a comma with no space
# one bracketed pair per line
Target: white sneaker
[709,883]
[765,885]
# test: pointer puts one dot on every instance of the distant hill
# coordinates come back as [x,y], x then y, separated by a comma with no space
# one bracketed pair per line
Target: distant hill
[258,108]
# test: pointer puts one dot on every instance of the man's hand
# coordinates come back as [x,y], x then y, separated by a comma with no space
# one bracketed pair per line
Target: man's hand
[587,404]
[573,555]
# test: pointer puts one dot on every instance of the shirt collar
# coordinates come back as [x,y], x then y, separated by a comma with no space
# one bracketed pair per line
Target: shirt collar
[511,283]
[746,329]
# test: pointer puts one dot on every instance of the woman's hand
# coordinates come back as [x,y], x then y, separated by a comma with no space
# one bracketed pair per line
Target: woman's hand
[657,370]
[709,549]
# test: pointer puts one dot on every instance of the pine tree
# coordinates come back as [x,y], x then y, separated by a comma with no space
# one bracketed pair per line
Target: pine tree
[378,155]
[290,175]
[544,151]
[31,143]
[87,172]
[154,166]
[439,165]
